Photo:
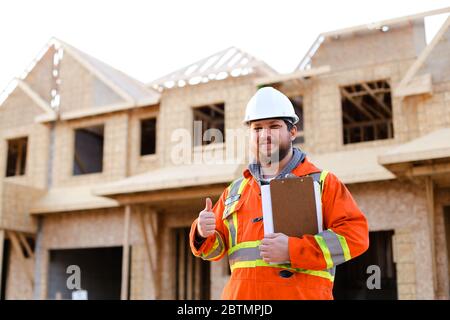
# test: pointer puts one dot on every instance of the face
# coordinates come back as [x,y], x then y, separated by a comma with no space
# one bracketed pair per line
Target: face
[270,140]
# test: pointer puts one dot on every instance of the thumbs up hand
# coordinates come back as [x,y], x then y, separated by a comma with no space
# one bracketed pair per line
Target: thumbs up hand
[206,220]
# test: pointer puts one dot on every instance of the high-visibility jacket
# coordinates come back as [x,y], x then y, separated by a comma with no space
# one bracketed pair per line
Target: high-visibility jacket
[313,258]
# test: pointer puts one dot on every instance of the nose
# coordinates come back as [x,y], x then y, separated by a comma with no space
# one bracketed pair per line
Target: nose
[264,133]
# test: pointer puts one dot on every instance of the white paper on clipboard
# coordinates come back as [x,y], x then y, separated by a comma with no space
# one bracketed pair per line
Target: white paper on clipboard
[267,209]
[318,206]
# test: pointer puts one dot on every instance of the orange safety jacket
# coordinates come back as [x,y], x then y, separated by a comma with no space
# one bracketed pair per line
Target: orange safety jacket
[313,258]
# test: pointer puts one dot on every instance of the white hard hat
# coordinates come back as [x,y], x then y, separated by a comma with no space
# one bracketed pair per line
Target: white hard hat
[269,103]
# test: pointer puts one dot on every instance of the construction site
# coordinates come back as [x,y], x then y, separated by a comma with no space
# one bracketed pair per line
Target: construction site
[87,177]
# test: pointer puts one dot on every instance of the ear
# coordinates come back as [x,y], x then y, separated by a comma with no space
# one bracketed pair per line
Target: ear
[293,132]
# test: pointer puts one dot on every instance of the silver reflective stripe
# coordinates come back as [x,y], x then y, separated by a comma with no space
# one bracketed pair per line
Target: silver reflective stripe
[231,195]
[253,254]
[332,271]
[216,251]
[334,246]
[315,176]
[245,254]
[232,199]
[232,230]
[235,187]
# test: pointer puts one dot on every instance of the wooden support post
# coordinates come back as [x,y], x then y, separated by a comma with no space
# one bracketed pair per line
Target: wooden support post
[182,283]
[430,203]
[151,254]
[126,254]
[26,245]
[23,260]
[2,241]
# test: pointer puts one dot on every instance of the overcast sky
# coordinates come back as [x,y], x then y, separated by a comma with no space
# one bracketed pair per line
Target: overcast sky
[148,39]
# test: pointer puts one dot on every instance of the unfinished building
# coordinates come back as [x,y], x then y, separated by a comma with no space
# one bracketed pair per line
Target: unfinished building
[87,177]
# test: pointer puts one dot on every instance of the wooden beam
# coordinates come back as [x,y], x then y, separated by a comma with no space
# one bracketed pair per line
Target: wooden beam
[169,195]
[367,123]
[182,283]
[126,254]
[430,206]
[201,115]
[424,54]
[26,245]
[418,85]
[377,99]
[356,104]
[300,74]
[41,103]
[2,241]
[217,109]
[347,117]
[23,261]
[151,254]
[375,91]
[389,22]
[433,169]
[370,108]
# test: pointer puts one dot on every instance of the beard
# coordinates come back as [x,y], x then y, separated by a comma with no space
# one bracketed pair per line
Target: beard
[270,157]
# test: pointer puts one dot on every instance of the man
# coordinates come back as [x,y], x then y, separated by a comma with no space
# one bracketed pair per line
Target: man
[234,225]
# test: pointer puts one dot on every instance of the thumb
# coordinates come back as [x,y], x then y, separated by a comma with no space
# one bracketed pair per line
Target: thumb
[208,206]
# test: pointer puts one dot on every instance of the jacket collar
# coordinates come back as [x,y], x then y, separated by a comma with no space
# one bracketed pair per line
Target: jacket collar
[301,166]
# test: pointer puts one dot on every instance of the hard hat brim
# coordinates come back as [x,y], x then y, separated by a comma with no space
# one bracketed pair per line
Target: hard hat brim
[290,119]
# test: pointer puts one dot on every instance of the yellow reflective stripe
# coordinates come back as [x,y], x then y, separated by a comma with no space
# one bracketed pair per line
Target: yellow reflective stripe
[245,244]
[214,247]
[243,184]
[217,243]
[262,263]
[235,224]
[241,187]
[323,175]
[235,219]
[227,225]
[234,216]
[344,246]
[326,253]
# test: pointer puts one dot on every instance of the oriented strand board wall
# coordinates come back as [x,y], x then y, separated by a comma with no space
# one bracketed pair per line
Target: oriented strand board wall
[99,228]
[88,229]
[402,207]
[18,285]
[76,85]
[141,286]
[15,205]
[41,78]
[429,113]
[323,109]
[371,48]
[17,120]
[176,108]
[80,89]
[137,163]
[114,150]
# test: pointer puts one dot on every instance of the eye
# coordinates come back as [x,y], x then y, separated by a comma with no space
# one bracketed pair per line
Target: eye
[275,126]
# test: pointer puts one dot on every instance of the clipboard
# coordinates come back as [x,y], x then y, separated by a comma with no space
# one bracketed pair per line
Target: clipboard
[292,206]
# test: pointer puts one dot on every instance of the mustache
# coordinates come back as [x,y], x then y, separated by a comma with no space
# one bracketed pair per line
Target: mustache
[265,141]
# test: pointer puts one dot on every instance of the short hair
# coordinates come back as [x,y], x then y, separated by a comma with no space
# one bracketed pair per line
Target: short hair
[289,124]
